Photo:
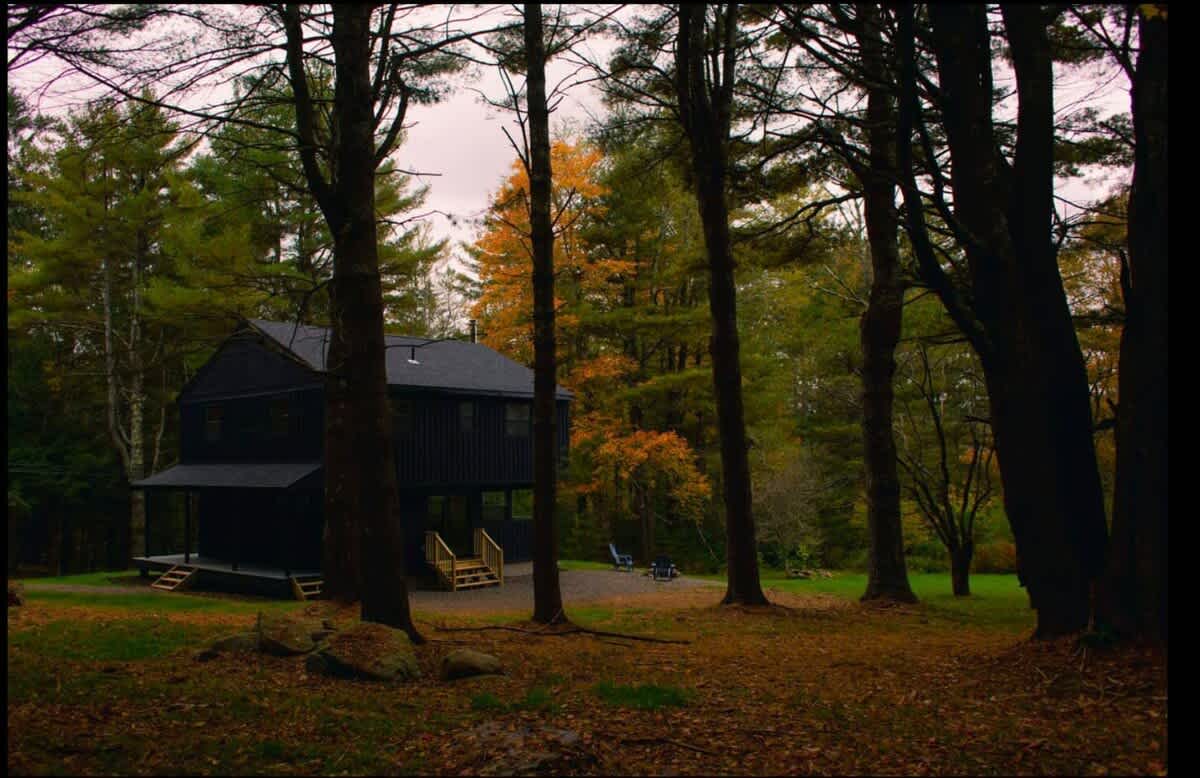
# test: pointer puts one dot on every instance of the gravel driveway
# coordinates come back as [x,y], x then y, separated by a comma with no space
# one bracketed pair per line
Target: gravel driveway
[577,586]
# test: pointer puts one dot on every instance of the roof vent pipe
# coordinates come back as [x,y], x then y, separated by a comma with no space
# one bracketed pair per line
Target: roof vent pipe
[473,333]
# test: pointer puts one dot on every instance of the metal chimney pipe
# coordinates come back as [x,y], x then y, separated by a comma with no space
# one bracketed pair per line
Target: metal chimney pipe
[473,333]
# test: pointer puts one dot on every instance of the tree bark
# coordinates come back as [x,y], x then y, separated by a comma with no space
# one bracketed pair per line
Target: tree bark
[960,569]
[363,551]
[1133,598]
[706,122]
[880,327]
[1033,366]
[547,597]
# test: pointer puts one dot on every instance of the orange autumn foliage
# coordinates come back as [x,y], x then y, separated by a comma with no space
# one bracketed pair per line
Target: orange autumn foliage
[506,265]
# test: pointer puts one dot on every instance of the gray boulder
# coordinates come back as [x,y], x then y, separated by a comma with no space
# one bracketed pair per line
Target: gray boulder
[240,643]
[465,663]
[366,651]
[285,637]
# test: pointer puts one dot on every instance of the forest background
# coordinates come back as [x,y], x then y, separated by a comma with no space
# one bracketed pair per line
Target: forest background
[135,245]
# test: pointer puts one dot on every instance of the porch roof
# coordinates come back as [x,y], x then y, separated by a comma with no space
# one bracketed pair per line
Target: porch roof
[233,475]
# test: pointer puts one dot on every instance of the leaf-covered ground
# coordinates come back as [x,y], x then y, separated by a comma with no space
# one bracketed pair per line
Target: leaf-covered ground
[817,684]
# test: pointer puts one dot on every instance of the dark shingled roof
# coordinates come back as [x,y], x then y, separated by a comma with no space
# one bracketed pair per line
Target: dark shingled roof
[448,365]
[242,475]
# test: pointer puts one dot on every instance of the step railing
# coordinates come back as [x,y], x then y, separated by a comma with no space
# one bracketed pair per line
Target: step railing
[490,552]
[438,554]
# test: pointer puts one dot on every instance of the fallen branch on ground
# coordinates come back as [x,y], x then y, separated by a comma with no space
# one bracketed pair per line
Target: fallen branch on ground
[573,629]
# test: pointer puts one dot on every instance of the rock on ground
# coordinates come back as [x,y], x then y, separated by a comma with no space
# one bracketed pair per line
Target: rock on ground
[366,651]
[240,643]
[465,663]
[281,636]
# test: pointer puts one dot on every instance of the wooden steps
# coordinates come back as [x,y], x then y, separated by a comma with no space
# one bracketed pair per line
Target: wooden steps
[306,588]
[178,577]
[470,573]
[484,569]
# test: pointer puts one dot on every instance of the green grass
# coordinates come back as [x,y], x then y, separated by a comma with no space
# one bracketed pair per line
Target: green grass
[579,564]
[122,641]
[101,578]
[995,600]
[158,602]
[537,698]
[642,696]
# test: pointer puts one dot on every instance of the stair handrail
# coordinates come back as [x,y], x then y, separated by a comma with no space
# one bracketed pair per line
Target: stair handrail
[437,553]
[490,552]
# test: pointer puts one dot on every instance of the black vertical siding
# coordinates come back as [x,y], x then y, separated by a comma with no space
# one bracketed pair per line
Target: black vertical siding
[432,450]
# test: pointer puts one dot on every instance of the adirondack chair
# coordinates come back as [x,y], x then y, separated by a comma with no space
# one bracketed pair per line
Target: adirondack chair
[663,567]
[620,561]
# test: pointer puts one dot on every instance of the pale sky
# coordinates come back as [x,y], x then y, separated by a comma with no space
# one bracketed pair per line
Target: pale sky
[462,142]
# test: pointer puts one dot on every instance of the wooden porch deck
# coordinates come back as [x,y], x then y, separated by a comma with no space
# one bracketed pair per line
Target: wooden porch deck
[223,566]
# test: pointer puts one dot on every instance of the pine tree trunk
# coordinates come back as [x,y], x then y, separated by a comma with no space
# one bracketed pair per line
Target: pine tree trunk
[880,330]
[707,131]
[1033,366]
[547,597]
[1133,598]
[361,500]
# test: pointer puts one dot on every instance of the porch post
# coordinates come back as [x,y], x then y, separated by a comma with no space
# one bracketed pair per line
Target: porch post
[508,538]
[289,501]
[187,527]
[147,527]
[145,571]
[237,539]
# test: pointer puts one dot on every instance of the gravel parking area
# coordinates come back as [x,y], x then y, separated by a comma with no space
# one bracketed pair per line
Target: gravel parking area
[578,586]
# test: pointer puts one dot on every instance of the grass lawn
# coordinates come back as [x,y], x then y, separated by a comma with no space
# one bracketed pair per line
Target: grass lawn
[105,682]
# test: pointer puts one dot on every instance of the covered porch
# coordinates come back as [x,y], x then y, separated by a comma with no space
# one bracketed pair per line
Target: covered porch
[245,526]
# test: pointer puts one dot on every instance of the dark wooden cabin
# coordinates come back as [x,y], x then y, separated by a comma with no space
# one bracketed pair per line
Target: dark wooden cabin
[251,450]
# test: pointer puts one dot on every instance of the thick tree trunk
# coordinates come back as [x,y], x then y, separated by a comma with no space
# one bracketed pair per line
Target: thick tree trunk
[880,329]
[960,569]
[1036,379]
[361,501]
[707,127]
[1133,599]
[547,597]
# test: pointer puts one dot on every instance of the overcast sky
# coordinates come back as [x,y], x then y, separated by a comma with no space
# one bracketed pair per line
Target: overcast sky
[460,144]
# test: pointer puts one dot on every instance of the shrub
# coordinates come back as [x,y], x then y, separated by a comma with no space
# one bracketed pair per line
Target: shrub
[999,556]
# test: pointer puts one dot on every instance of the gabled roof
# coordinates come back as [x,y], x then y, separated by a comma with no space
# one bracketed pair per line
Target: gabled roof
[241,475]
[448,365]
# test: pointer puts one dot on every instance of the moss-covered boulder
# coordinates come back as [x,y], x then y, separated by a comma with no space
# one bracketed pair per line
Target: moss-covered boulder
[465,663]
[283,636]
[366,651]
[239,643]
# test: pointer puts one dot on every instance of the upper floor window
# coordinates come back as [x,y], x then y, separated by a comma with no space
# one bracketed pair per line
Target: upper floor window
[517,420]
[466,416]
[213,416]
[280,418]
[402,416]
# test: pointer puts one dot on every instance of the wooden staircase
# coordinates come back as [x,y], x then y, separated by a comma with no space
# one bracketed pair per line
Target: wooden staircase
[307,588]
[178,577]
[469,573]
[486,568]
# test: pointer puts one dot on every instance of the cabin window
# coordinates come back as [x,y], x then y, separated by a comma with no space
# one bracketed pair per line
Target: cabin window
[522,504]
[280,418]
[213,415]
[466,416]
[402,417]
[516,420]
[493,506]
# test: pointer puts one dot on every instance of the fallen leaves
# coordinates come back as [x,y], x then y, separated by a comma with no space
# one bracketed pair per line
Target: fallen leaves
[818,686]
